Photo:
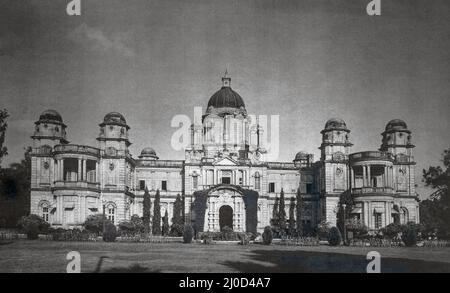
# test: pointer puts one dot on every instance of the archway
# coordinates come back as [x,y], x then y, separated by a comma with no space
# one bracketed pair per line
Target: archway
[225,217]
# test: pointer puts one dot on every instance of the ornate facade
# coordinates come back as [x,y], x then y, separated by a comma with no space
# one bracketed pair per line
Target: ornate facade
[225,179]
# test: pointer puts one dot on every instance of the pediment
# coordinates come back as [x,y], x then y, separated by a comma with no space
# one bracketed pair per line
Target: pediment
[225,162]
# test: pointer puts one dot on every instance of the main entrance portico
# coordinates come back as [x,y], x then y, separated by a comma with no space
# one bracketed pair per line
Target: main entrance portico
[225,207]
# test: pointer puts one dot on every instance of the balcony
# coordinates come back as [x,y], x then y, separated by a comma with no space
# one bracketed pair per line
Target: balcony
[371,156]
[281,166]
[161,164]
[95,186]
[77,149]
[372,190]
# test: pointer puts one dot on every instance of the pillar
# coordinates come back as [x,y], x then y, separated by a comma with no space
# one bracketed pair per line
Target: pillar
[96,179]
[364,175]
[79,169]
[352,178]
[84,170]
[369,179]
[62,169]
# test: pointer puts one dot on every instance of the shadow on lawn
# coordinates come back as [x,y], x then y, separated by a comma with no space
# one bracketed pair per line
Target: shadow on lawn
[277,261]
[136,268]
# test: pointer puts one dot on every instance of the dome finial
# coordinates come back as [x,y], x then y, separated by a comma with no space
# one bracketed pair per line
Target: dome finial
[226,81]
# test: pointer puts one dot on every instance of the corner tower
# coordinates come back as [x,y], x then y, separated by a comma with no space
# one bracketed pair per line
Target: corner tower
[334,174]
[397,140]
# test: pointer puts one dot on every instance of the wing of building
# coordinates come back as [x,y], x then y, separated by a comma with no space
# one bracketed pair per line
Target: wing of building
[225,179]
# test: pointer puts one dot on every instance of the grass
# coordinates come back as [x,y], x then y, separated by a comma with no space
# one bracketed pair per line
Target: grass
[48,256]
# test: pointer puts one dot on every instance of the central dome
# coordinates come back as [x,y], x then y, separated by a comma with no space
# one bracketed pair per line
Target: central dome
[226,98]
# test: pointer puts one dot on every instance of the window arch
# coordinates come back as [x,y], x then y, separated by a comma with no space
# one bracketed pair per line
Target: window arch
[110,211]
[257,181]
[404,216]
[44,209]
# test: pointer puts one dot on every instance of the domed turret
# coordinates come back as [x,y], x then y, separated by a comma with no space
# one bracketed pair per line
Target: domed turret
[115,118]
[303,159]
[50,129]
[148,153]
[51,116]
[114,133]
[335,124]
[396,138]
[335,140]
[396,125]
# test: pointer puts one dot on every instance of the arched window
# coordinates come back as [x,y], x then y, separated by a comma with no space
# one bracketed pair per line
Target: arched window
[257,181]
[110,211]
[404,216]
[45,210]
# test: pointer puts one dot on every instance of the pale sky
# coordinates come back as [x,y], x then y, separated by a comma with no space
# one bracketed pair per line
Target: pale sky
[306,61]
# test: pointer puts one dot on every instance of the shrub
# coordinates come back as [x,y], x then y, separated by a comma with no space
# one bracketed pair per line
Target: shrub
[110,233]
[228,234]
[33,225]
[392,230]
[94,223]
[188,234]
[323,229]
[409,236]
[334,236]
[176,230]
[132,227]
[357,227]
[244,239]
[267,235]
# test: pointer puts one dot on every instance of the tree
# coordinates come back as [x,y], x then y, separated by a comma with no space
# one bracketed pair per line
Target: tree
[292,217]
[15,184]
[177,220]
[299,212]
[33,225]
[3,125]
[334,236]
[188,233]
[94,223]
[282,213]
[147,205]
[267,235]
[156,228]
[435,211]
[275,212]
[165,227]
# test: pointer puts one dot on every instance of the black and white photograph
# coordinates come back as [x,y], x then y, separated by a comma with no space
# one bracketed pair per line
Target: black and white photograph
[233,137]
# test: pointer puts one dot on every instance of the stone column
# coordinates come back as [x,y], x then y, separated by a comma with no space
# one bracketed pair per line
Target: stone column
[369,180]
[84,170]
[96,179]
[62,169]
[364,175]
[56,171]
[79,170]
[352,177]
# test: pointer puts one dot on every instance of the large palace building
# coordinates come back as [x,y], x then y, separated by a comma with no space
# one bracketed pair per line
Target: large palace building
[222,181]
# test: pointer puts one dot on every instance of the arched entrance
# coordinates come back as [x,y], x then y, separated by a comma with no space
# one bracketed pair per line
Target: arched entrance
[225,217]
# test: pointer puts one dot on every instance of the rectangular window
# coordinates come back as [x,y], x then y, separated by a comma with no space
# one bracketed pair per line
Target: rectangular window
[141,184]
[164,185]
[195,182]
[309,188]
[378,222]
[271,187]
[226,180]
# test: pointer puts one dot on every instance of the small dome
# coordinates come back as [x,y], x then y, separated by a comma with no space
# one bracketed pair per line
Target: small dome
[396,124]
[114,118]
[148,152]
[301,156]
[50,115]
[226,98]
[335,123]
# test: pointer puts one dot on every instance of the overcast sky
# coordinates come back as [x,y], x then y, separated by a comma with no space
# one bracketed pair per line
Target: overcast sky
[306,61]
